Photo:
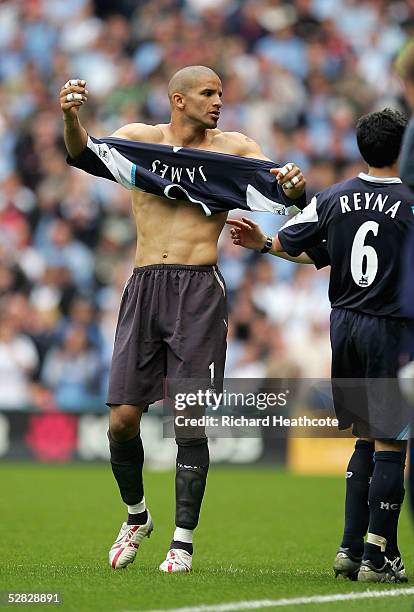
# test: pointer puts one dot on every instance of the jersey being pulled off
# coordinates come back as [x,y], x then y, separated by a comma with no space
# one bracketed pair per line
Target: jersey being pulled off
[360,227]
[215,181]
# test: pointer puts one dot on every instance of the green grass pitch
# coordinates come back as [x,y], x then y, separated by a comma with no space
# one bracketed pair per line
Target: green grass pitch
[263,534]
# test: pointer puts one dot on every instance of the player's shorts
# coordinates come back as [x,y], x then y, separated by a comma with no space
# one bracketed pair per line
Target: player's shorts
[172,324]
[365,362]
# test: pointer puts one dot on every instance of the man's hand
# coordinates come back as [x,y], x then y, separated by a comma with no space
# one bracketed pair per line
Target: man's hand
[247,233]
[290,177]
[72,95]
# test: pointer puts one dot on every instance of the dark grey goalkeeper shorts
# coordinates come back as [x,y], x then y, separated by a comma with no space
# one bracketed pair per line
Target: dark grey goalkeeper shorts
[172,324]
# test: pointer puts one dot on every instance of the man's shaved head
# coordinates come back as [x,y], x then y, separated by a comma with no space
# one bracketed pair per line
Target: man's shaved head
[195,94]
[187,78]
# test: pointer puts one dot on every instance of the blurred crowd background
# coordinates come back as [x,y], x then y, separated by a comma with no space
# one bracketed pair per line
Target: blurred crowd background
[296,76]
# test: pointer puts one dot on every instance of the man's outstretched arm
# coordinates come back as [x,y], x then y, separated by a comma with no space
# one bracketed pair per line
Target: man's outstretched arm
[248,234]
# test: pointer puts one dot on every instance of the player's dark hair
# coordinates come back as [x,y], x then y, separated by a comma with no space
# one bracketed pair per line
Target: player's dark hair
[379,137]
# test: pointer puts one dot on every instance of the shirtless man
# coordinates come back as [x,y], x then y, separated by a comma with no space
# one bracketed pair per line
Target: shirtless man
[173,316]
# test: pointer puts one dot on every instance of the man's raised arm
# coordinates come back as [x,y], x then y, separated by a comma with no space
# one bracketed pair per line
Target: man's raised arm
[72,96]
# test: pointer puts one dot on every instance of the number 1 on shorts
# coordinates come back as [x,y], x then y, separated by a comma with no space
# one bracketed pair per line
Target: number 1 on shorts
[211,368]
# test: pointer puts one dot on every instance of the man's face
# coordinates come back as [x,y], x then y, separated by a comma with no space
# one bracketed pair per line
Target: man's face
[202,103]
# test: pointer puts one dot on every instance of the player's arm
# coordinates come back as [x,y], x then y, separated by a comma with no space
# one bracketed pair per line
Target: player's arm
[248,234]
[72,96]
[93,155]
[303,236]
[289,177]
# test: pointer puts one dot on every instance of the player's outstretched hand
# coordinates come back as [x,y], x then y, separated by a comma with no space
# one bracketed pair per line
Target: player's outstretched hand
[290,177]
[72,95]
[246,233]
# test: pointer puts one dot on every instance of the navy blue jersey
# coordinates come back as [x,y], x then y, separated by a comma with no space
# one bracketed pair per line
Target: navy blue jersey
[407,279]
[365,222]
[215,181]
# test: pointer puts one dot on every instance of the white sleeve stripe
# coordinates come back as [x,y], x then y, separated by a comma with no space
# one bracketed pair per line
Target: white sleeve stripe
[119,166]
[257,201]
[308,215]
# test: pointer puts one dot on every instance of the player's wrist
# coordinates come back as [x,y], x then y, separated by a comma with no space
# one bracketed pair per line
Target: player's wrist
[70,119]
[266,244]
[294,193]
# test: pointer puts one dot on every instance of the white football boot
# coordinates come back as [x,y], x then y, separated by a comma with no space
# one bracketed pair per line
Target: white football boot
[125,547]
[369,573]
[177,560]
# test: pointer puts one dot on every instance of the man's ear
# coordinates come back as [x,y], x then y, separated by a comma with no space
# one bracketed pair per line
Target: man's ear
[178,100]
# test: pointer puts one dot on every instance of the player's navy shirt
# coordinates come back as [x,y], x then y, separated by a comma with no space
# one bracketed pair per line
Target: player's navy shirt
[365,222]
[215,181]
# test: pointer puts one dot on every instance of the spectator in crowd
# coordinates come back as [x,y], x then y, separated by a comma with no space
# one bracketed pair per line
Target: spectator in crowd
[18,360]
[405,69]
[72,371]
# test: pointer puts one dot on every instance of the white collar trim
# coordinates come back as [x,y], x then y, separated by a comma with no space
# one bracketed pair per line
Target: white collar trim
[379,179]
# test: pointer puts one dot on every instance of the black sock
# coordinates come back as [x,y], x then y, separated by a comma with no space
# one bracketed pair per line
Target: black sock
[359,472]
[190,481]
[138,519]
[127,459]
[386,493]
[183,545]
[392,549]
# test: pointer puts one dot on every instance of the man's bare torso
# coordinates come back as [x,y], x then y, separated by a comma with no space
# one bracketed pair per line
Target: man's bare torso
[172,231]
